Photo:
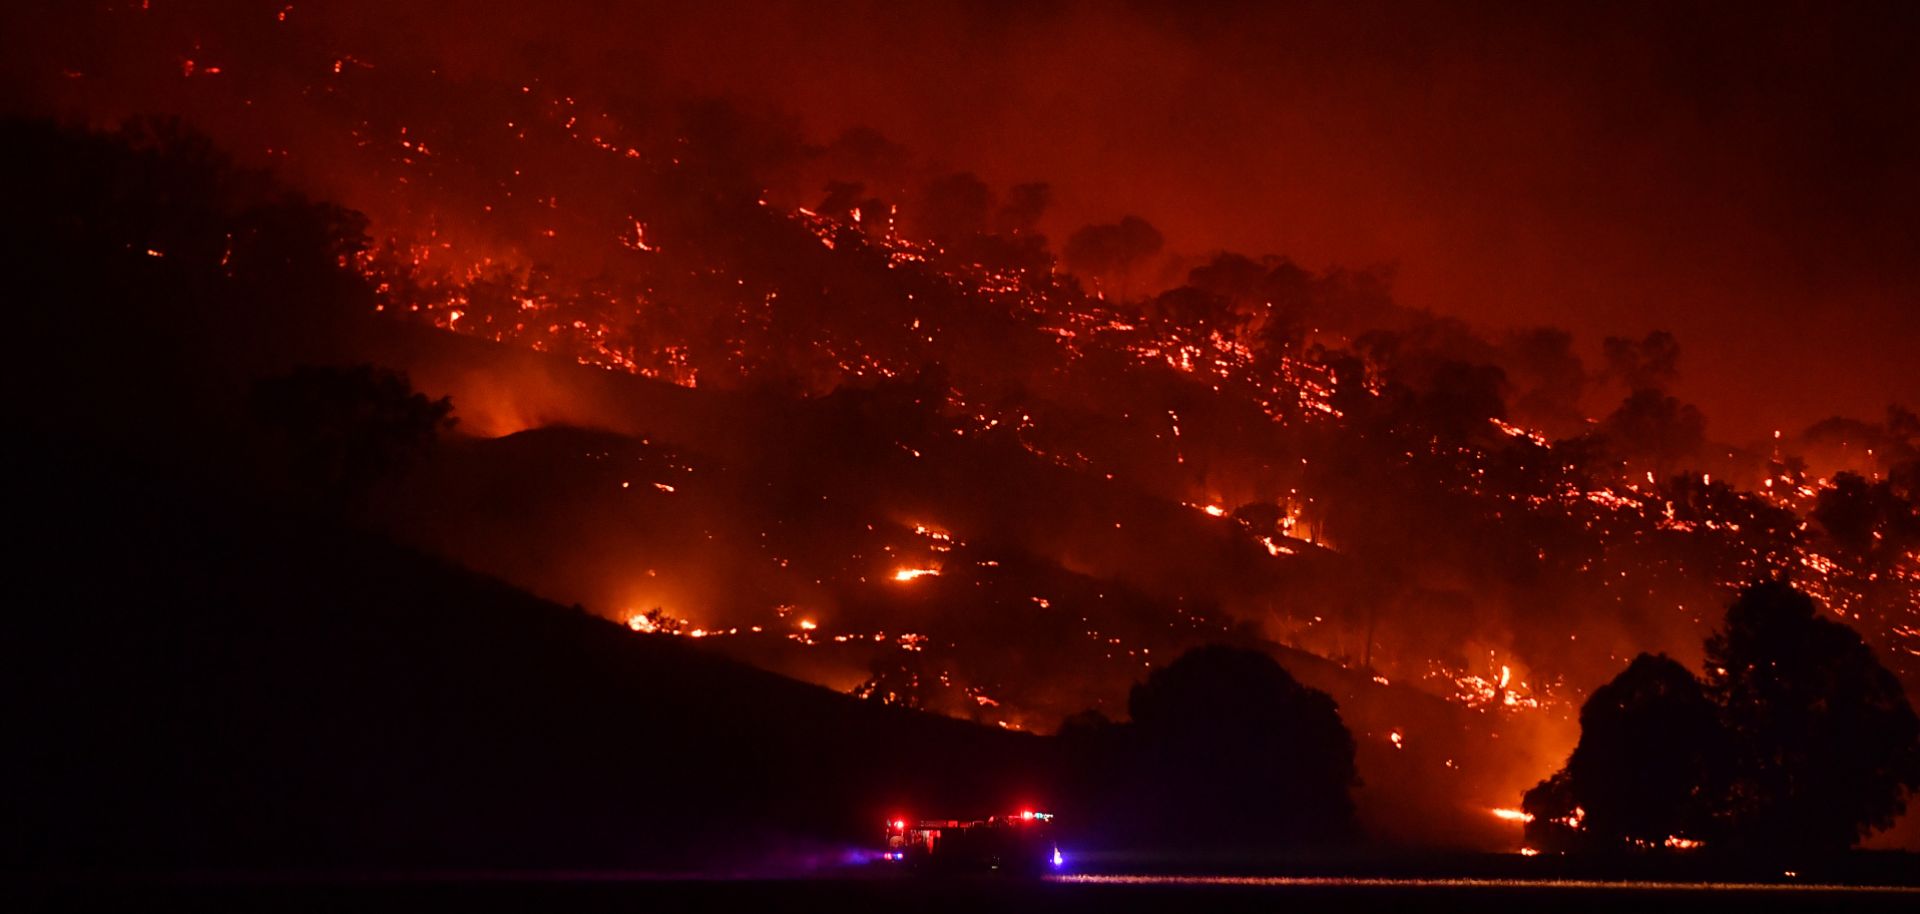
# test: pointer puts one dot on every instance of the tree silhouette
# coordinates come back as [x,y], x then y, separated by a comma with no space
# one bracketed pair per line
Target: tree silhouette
[1459,399]
[1653,427]
[1646,364]
[1870,522]
[1112,250]
[1194,308]
[1549,378]
[954,207]
[1233,750]
[333,432]
[1021,210]
[1555,817]
[1650,757]
[1826,744]
[1799,743]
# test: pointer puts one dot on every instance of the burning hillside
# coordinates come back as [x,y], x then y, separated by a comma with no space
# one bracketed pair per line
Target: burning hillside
[848,415]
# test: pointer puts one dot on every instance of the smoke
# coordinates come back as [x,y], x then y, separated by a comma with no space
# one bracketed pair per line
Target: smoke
[1543,168]
[597,184]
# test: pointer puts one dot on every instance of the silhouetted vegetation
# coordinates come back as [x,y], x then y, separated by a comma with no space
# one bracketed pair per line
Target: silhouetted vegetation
[154,277]
[1225,749]
[1826,745]
[1798,744]
[1652,752]
[1870,521]
[253,670]
[326,434]
[1113,250]
[1654,429]
[222,685]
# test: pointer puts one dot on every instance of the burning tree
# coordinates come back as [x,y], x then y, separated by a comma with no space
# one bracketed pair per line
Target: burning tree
[898,678]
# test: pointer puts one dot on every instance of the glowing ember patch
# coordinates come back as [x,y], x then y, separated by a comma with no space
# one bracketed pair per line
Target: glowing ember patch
[1273,548]
[908,574]
[1515,431]
[1512,815]
[808,625]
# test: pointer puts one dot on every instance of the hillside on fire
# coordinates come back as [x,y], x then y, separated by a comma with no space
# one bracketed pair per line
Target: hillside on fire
[253,688]
[460,460]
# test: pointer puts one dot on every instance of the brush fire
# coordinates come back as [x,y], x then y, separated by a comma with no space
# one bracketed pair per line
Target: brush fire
[789,398]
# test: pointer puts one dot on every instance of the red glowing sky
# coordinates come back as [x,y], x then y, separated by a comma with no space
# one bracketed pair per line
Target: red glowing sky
[1741,177]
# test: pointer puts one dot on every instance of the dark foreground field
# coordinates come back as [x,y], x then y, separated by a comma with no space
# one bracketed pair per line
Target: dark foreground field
[604,892]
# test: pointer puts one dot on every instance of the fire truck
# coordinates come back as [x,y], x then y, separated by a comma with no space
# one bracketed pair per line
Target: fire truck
[1022,843]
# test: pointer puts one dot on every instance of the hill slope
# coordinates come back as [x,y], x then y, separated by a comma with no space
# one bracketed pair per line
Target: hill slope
[208,684]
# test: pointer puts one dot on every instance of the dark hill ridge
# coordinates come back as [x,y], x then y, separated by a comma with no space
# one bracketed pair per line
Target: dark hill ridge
[219,685]
[573,523]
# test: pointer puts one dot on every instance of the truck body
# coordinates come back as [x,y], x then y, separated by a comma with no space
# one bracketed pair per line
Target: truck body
[1019,844]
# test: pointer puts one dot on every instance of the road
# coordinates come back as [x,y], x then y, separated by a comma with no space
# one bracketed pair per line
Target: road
[627,893]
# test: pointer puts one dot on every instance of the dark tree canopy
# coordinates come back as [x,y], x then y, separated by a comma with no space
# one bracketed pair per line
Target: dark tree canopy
[1196,308]
[1022,208]
[1826,744]
[1799,743]
[1114,248]
[1549,378]
[1655,428]
[1555,816]
[1869,521]
[955,206]
[336,431]
[153,275]
[1460,398]
[1645,364]
[1650,755]
[1235,750]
